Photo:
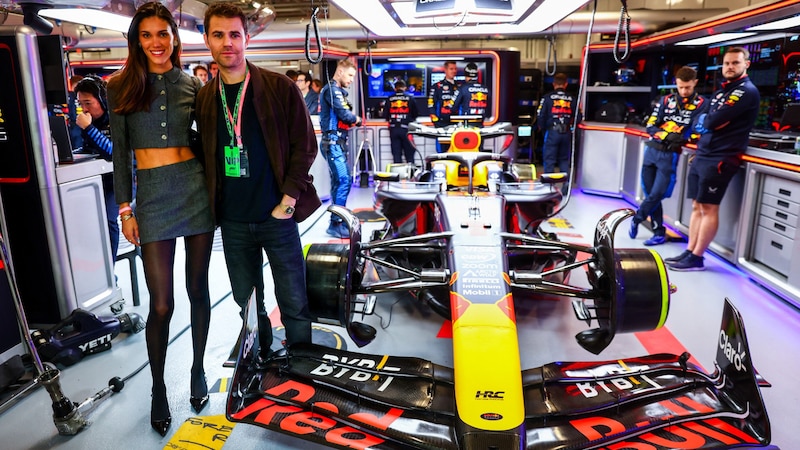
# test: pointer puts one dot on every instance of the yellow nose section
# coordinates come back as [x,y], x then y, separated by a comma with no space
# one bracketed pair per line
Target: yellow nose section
[488,376]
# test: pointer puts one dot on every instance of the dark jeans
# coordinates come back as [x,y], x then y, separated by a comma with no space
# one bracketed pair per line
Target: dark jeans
[658,180]
[401,146]
[243,244]
[556,151]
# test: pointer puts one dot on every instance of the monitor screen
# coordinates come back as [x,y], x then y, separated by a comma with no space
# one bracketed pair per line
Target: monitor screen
[54,63]
[791,117]
[383,77]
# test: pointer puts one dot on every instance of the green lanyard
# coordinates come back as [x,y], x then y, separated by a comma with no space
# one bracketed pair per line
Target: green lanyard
[234,121]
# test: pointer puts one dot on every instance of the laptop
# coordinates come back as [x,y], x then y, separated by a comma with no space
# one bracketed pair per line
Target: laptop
[60,133]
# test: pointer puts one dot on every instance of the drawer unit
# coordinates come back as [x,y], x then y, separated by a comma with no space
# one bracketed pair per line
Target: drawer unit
[781,204]
[780,216]
[778,221]
[773,250]
[782,188]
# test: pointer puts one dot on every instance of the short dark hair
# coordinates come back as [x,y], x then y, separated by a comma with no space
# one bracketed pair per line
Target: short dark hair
[227,10]
[199,67]
[94,86]
[686,73]
[560,79]
[399,84]
[304,74]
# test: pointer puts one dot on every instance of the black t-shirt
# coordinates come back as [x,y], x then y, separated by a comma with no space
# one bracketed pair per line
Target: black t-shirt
[250,199]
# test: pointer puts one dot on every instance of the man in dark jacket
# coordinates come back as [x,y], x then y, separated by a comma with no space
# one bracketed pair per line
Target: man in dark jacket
[311,96]
[258,145]
[400,111]
[472,98]
[554,118]
[724,136]
[669,127]
[441,97]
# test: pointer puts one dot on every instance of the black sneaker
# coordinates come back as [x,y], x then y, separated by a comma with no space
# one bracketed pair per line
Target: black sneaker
[691,263]
[674,259]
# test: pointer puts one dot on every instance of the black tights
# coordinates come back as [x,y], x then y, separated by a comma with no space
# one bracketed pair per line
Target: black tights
[158,259]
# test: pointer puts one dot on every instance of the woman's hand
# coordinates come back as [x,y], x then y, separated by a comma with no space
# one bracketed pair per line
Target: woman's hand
[130,229]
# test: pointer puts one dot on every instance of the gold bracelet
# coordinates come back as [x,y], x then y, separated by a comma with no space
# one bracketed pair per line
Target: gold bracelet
[126,217]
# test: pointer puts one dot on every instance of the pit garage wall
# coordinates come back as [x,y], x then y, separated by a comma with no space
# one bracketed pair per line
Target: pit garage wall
[759,215]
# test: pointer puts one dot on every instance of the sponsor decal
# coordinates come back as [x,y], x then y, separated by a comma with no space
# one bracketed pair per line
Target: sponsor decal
[491,416]
[299,421]
[673,433]
[636,384]
[490,395]
[96,344]
[343,368]
[737,356]
[476,255]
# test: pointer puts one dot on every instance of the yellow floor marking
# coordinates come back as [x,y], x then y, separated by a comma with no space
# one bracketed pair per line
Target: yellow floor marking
[208,432]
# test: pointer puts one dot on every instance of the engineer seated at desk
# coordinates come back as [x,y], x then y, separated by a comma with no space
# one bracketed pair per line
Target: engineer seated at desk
[96,133]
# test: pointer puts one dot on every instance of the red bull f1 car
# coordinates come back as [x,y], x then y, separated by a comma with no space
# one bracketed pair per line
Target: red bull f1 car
[463,236]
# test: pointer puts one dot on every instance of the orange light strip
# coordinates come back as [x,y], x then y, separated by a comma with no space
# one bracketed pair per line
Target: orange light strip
[626,130]
[707,25]
[771,163]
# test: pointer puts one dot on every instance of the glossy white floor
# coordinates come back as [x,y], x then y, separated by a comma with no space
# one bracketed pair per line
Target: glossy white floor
[547,328]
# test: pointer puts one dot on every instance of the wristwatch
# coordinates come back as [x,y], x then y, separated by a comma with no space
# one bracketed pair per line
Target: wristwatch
[288,210]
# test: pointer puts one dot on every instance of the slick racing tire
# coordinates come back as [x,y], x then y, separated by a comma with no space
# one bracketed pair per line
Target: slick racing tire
[637,291]
[326,267]
[634,295]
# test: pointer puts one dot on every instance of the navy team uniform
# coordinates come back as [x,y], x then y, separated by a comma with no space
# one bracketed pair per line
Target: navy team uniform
[440,104]
[401,111]
[734,109]
[669,126]
[335,118]
[472,99]
[555,119]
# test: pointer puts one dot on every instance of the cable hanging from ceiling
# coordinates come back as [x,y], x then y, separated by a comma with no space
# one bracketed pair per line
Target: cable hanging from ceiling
[314,24]
[625,18]
[551,48]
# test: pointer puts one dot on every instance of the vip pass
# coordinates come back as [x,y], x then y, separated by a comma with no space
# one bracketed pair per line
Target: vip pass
[237,163]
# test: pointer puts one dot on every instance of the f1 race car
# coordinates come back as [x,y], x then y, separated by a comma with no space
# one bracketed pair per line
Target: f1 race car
[454,238]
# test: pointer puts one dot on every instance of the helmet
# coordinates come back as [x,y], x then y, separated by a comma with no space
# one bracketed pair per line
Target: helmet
[471,70]
[624,76]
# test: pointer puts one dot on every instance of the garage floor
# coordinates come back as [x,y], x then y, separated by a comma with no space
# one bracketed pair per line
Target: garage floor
[546,329]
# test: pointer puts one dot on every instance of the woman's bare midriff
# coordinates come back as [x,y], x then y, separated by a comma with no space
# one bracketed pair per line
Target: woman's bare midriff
[150,158]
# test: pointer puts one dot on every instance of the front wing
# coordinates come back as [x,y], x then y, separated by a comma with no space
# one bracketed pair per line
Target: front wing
[355,400]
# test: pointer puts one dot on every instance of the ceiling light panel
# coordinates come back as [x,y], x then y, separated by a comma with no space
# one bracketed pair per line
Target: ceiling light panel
[714,38]
[103,19]
[399,19]
[783,24]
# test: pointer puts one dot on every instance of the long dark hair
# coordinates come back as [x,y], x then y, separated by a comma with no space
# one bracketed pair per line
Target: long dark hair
[133,92]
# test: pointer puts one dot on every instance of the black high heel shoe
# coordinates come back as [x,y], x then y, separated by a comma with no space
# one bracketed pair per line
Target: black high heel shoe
[199,402]
[161,425]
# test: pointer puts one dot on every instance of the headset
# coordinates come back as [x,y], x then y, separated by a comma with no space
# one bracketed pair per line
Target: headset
[94,85]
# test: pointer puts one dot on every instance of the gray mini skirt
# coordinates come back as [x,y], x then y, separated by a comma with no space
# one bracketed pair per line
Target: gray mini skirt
[172,201]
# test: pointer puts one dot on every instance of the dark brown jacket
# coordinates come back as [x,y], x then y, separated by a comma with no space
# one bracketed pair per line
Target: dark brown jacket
[288,134]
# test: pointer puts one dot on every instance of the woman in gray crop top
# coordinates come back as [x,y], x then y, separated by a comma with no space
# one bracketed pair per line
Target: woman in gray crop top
[152,107]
